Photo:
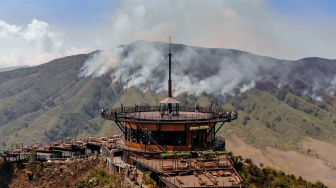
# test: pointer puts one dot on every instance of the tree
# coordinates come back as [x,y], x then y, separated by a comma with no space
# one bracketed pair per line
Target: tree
[281,94]
[246,119]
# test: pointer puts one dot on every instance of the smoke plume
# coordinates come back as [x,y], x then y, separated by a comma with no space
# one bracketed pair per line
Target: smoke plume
[195,70]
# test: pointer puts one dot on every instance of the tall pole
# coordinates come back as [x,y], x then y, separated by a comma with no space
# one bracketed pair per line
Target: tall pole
[169,80]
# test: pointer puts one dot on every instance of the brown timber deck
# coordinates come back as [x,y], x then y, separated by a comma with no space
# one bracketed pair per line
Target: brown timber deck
[194,172]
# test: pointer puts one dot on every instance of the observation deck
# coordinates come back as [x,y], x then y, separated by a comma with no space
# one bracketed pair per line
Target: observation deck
[179,141]
[155,114]
[158,129]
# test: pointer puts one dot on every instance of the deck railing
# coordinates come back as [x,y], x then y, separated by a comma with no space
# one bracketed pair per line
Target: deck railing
[132,109]
[134,113]
[143,161]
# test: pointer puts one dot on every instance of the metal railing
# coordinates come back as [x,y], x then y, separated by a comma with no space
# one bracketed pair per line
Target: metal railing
[132,109]
[201,113]
[146,162]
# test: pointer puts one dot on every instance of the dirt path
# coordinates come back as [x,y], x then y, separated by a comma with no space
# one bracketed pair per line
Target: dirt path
[318,164]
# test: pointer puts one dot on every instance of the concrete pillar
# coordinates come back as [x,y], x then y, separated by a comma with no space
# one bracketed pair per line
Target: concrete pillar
[111,165]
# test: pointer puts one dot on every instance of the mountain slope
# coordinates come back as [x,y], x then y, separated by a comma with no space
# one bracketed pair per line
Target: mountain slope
[50,101]
[282,105]
[46,99]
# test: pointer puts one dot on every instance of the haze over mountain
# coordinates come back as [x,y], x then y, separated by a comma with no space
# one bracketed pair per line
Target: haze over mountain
[12,68]
[216,71]
[286,108]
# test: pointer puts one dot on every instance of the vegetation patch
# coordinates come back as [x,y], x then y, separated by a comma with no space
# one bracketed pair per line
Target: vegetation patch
[254,176]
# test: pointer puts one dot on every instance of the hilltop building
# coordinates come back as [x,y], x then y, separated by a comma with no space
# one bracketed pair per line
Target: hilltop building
[177,144]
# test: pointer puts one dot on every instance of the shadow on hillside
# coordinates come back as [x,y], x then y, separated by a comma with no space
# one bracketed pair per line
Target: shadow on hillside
[6,173]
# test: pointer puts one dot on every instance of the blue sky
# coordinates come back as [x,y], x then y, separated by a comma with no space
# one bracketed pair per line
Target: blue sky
[299,9]
[34,32]
[80,13]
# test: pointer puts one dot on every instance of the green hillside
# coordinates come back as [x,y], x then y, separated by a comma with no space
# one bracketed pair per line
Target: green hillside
[291,101]
[50,102]
[267,120]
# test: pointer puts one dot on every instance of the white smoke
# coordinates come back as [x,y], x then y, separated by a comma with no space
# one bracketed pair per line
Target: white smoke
[332,87]
[316,97]
[101,63]
[132,69]
[194,70]
[247,86]
[279,85]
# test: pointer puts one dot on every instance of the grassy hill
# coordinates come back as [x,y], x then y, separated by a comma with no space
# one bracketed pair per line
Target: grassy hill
[49,102]
[283,112]
[265,120]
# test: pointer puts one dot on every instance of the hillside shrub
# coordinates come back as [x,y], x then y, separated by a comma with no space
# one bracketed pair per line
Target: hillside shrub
[281,94]
[322,106]
[99,178]
[308,111]
[147,180]
[253,176]
[293,103]
[246,119]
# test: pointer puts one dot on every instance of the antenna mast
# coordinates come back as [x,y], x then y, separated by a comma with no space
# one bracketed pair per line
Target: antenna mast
[169,80]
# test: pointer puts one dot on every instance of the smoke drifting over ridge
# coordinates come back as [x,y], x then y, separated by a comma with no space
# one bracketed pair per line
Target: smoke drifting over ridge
[219,71]
[194,70]
[229,24]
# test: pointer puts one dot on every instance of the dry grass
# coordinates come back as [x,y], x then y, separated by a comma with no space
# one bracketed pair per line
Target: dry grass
[309,166]
[50,175]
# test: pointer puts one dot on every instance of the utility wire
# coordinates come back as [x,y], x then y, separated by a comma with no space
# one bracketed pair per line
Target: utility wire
[183,68]
[156,68]
[185,71]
